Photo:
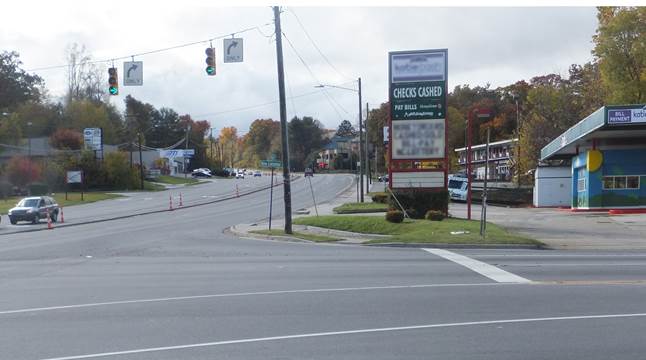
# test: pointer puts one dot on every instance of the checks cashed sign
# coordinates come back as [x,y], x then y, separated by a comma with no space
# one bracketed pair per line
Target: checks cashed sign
[418,83]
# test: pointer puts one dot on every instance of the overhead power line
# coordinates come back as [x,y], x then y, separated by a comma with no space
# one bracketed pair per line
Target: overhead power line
[316,46]
[159,50]
[328,97]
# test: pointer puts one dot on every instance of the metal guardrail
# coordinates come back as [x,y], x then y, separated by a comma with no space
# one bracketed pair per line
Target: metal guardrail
[592,122]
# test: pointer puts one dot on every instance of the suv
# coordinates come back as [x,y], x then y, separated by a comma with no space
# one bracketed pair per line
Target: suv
[33,209]
[309,172]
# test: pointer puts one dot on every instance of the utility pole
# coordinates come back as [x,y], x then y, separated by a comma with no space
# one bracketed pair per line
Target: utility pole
[141,163]
[368,169]
[211,143]
[287,196]
[188,131]
[361,163]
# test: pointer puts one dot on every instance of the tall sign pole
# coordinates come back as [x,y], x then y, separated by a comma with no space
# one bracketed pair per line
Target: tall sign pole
[362,165]
[283,123]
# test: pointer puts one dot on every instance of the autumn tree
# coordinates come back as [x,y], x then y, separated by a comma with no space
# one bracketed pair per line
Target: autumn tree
[85,79]
[21,171]
[376,120]
[69,139]
[228,145]
[620,47]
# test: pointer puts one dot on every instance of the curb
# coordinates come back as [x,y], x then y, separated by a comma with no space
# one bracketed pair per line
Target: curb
[460,246]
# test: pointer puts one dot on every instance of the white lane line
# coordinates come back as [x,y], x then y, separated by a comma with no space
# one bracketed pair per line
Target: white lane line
[347,332]
[480,267]
[259,293]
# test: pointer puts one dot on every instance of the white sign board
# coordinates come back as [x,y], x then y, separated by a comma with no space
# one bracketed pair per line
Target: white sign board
[92,137]
[418,139]
[386,134]
[418,66]
[133,73]
[74,177]
[232,50]
[171,154]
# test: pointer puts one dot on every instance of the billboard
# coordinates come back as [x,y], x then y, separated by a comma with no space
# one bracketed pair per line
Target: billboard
[635,115]
[417,95]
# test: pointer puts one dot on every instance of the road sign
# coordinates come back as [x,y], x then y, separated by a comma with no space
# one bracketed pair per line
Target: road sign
[133,73]
[270,163]
[74,177]
[233,50]
[93,138]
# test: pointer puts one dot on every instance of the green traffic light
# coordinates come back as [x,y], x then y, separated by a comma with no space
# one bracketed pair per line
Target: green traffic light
[210,70]
[113,90]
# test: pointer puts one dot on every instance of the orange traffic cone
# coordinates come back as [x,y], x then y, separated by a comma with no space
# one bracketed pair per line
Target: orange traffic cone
[62,216]
[49,222]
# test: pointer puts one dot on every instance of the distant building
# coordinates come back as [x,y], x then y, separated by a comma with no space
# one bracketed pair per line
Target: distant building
[500,160]
[337,153]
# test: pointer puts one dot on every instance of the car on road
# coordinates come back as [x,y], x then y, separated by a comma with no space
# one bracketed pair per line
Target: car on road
[240,175]
[33,209]
[201,173]
[383,178]
[309,172]
[257,174]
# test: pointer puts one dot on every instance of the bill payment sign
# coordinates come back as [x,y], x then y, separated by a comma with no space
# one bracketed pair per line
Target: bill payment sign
[74,177]
[92,138]
[627,116]
[232,50]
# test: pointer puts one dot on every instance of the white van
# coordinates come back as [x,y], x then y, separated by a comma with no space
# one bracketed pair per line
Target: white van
[458,187]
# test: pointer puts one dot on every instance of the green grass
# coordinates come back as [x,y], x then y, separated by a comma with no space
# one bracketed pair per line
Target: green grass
[73,198]
[300,235]
[150,186]
[419,231]
[366,207]
[175,180]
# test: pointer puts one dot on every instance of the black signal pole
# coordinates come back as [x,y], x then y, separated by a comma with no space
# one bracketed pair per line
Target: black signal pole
[283,123]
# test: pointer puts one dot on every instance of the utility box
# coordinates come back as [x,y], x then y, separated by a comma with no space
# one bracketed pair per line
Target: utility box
[553,186]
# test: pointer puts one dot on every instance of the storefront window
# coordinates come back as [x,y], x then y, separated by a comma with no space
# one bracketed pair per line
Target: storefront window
[632,182]
[620,182]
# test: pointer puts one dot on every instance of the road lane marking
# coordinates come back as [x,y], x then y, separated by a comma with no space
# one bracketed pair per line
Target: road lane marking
[259,293]
[480,267]
[346,332]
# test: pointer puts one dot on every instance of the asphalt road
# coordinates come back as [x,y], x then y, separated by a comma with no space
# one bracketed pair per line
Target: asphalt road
[175,286]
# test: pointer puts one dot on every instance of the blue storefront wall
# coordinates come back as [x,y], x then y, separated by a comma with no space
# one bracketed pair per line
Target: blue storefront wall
[624,162]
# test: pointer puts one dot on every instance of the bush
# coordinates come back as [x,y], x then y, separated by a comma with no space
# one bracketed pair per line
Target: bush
[421,201]
[394,216]
[380,197]
[434,215]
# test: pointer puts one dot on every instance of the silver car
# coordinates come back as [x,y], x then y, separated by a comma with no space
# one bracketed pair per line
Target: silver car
[33,209]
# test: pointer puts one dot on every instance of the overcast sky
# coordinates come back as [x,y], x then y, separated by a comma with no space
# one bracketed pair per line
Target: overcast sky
[496,45]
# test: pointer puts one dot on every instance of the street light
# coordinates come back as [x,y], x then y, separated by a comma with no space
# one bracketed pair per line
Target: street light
[361,155]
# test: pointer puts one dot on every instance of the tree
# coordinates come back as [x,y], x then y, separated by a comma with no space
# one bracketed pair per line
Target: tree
[68,139]
[305,137]
[139,117]
[377,119]
[80,114]
[346,129]
[166,128]
[16,85]
[620,47]
[228,145]
[119,173]
[86,80]
[261,141]
[22,171]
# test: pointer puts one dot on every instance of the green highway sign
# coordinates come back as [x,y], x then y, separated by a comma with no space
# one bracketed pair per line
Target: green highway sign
[270,163]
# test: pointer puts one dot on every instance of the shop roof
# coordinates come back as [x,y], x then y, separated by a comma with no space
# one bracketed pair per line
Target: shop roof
[608,122]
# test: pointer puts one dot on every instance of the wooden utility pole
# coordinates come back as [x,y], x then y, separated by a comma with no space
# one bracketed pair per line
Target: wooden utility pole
[283,123]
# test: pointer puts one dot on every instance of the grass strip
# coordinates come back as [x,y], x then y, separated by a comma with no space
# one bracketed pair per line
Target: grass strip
[300,235]
[419,231]
[366,207]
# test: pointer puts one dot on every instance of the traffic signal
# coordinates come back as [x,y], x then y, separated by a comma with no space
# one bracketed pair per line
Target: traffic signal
[113,80]
[210,61]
